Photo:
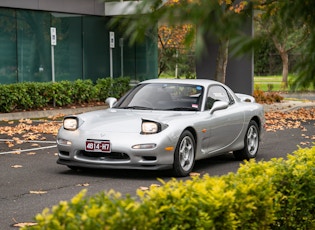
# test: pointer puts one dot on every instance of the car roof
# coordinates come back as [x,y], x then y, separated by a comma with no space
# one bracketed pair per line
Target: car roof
[202,82]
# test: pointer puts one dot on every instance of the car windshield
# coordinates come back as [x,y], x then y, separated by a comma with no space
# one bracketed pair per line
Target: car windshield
[163,96]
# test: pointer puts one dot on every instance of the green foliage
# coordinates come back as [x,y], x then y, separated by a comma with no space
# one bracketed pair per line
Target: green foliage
[289,13]
[62,93]
[278,194]
[119,87]
[8,98]
[35,95]
[103,86]
[295,187]
[84,91]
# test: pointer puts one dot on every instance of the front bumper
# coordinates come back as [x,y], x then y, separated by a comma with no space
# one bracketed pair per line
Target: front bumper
[122,155]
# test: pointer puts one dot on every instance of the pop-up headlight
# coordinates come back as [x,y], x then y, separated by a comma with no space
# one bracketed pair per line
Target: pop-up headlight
[151,127]
[70,123]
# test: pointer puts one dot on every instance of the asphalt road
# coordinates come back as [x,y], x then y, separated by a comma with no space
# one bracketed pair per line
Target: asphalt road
[31,180]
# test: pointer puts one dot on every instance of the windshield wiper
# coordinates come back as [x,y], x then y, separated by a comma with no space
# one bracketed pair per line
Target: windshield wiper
[136,107]
[183,109]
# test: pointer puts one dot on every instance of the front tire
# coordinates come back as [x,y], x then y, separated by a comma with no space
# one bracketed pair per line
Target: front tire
[251,143]
[184,158]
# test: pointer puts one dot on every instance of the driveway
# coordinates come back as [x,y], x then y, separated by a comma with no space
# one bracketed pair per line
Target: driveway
[31,180]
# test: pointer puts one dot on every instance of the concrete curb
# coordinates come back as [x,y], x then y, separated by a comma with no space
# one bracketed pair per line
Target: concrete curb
[47,113]
[287,106]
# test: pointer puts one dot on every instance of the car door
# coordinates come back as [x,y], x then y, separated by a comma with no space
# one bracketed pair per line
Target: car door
[224,126]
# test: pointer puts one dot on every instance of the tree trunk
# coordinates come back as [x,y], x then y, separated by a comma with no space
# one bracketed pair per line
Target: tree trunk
[285,60]
[222,60]
[285,68]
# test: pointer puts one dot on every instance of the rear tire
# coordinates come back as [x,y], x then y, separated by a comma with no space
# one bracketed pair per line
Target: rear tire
[184,156]
[251,143]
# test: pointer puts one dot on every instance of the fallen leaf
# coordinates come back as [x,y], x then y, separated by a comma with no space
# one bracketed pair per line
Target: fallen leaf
[144,188]
[38,192]
[83,185]
[304,143]
[16,166]
[31,153]
[17,151]
[192,174]
[154,185]
[10,144]
[24,224]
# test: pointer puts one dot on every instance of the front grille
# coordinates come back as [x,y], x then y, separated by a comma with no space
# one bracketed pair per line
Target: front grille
[104,156]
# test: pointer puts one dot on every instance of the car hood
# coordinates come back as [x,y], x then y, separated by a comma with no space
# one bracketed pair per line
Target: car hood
[124,120]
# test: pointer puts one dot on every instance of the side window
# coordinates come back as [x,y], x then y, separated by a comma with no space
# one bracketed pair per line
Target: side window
[217,93]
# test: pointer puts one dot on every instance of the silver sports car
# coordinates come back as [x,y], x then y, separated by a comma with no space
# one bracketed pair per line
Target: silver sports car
[163,124]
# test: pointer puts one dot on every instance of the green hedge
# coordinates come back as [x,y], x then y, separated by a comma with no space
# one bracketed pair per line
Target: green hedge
[278,194]
[31,95]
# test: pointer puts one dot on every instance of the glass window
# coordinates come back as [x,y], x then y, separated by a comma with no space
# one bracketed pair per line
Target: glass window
[68,51]
[217,93]
[95,47]
[163,96]
[82,50]
[33,45]
[146,58]
[8,68]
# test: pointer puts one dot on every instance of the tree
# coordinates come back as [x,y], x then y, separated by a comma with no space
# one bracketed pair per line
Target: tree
[172,49]
[219,19]
[285,38]
[289,13]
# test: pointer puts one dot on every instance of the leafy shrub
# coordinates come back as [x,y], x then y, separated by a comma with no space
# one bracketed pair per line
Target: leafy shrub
[103,86]
[34,95]
[278,194]
[295,185]
[84,91]
[119,87]
[8,99]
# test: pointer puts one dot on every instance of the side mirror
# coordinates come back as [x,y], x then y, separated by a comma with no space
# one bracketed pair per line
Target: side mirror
[219,105]
[111,101]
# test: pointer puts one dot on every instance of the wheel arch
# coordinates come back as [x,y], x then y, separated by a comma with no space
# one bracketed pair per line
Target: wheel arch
[194,133]
[258,122]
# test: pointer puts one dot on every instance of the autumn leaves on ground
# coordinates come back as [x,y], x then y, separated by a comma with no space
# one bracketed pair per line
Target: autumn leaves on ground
[15,133]
[291,120]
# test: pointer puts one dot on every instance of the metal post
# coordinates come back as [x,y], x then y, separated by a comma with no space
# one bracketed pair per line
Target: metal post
[53,40]
[121,43]
[52,64]
[111,47]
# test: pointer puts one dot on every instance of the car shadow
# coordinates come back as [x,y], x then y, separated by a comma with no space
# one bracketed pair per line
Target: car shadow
[212,166]
[119,173]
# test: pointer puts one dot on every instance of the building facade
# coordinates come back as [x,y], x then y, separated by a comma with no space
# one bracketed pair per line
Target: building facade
[83,49]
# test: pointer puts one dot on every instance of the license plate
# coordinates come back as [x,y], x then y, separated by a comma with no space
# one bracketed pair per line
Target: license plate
[97,146]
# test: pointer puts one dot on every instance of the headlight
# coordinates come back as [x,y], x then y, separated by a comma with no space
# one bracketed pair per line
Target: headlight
[70,123]
[149,127]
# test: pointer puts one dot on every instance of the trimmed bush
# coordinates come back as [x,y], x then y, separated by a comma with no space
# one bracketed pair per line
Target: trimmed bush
[34,95]
[278,194]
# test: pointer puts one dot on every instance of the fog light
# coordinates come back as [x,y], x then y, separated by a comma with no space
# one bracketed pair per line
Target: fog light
[144,146]
[61,141]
